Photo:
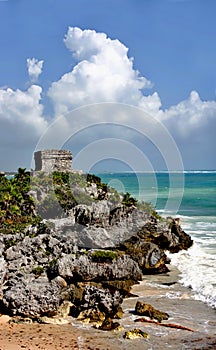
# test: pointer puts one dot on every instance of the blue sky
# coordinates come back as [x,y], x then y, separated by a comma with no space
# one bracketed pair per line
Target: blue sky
[173,46]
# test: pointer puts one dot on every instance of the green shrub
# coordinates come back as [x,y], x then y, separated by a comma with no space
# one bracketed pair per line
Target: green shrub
[38,270]
[128,200]
[50,207]
[17,209]
[148,209]
[52,262]
[91,178]
[104,255]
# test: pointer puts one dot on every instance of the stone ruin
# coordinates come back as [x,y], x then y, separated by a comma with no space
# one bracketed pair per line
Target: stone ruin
[53,160]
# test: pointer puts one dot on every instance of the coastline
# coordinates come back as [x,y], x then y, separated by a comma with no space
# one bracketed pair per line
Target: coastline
[51,269]
[161,291]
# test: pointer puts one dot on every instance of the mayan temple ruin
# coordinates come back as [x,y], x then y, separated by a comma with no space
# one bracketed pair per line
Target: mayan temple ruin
[53,160]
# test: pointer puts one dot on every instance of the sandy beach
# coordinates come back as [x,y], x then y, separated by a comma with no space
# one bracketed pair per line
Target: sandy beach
[161,291]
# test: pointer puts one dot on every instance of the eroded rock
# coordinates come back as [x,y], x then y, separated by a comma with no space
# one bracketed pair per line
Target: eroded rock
[83,268]
[52,320]
[101,300]
[109,325]
[144,309]
[136,333]
[150,258]
[31,297]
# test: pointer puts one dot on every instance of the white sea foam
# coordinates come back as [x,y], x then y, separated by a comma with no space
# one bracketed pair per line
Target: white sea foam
[177,295]
[198,264]
[198,271]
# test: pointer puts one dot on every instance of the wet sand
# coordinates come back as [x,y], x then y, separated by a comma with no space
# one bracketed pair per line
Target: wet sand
[164,293]
[161,291]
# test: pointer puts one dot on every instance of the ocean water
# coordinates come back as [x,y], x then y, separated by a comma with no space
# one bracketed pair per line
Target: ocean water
[191,197]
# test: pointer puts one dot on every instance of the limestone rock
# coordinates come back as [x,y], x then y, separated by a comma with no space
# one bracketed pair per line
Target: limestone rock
[71,267]
[92,315]
[150,258]
[20,320]
[166,234]
[60,281]
[184,240]
[102,300]
[124,286]
[64,309]
[144,309]
[109,325]
[98,213]
[96,226]
[3,270]
[31,297]
[136,333]
[52,320]
[119,313]
[45,267]
[2,245]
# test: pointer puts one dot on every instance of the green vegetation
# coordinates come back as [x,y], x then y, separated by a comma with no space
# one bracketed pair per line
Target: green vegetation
[17,209]
[91,178]
[129,201]
[97,180]
[38,270]
[63,191]
[57,194]
[68,190]
[104,255]
[52,262]
[148,209]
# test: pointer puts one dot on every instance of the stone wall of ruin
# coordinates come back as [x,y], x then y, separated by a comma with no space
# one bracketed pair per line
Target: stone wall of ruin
[53,160]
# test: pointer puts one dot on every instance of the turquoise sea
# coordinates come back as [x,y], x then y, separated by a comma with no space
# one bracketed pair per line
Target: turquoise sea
[191,196]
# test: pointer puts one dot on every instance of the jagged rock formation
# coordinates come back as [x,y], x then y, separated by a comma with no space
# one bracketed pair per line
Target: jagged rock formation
[97,304]
[86,267]
[90,257]
[30,297]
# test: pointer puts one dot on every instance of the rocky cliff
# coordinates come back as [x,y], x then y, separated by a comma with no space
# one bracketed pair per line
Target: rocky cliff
[89,247]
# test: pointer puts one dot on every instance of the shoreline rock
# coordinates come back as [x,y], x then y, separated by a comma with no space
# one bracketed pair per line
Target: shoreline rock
[106,244]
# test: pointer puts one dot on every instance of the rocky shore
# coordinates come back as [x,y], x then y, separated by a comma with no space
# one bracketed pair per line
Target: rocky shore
[162,291]
[77,265]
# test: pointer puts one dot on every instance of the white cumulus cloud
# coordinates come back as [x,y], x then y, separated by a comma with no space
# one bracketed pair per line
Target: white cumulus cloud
[192,123]
[34,67]
[22,122]
[190,115]
[103,73]
[22,108]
